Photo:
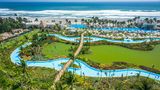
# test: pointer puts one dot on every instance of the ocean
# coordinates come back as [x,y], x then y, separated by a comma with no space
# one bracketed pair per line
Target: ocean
[81,9]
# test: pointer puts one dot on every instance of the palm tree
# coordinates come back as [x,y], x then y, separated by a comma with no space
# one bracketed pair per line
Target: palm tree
[155,19]
[59,86]
[150,72]
[89,34]
[69,79]
[69,62]
[138,75]
[153,66]
[23,65]
[76,21]
[82,20]
[25,20]
[144,85]
[60,22]
[67,21]
[36,20]
[24,75]
[53,21]
[146,20]
[26,37]
[71,56]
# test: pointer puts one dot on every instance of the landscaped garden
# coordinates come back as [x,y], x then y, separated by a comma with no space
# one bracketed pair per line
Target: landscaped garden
[60,46]
[98,55]
[105,54]
[19,77]
[49,49]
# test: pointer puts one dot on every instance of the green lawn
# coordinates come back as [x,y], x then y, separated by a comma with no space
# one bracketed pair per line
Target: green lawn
[108,54]
[55,50]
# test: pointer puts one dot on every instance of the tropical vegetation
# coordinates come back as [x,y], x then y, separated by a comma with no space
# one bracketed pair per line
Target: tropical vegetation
[44,47]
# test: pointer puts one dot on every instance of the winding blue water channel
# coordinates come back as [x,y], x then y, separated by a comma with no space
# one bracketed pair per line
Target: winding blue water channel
[94,39]
[85,69]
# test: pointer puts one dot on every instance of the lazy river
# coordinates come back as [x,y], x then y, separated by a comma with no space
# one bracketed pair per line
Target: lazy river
[94,39]
[84,70]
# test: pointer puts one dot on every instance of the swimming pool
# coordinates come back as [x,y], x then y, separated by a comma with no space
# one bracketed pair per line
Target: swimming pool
[82,26]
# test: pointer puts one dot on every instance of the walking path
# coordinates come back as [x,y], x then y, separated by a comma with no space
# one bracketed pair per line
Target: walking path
[84,70]
[61,72]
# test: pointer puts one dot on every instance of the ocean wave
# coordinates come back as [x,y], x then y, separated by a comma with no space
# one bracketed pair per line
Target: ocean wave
[81,14]
[4,9]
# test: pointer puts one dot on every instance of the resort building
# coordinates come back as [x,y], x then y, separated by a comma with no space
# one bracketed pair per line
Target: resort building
[42,24]
[149,26]
[13,33]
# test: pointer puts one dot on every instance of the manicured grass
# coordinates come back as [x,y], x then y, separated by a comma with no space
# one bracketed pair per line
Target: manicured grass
[55,50]
[107,54]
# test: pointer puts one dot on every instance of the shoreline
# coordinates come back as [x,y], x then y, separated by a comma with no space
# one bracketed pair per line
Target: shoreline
[118,18]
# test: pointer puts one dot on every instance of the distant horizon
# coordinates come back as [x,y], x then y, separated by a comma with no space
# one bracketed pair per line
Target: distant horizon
[78,2]
[90,1]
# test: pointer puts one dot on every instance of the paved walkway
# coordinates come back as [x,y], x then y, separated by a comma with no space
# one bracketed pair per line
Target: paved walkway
[85,69]
[61,72]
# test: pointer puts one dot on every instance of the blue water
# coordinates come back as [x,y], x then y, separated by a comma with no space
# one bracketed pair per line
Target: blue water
[78,26]
[37,6]
[82,26]
[95,39]
[81,10]
[84,70]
